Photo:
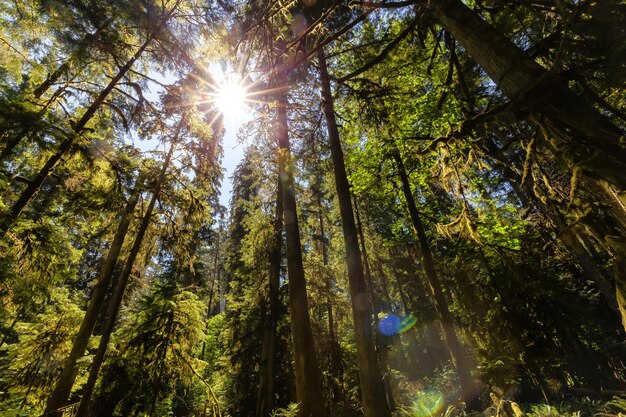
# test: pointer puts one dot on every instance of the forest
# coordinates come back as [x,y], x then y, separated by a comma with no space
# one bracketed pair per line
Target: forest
[429,217]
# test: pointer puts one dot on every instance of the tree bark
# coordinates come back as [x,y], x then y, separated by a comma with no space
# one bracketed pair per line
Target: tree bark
[378,338]
[216,279]
[52,78]
[457,351]
[118,292]
[63,387]
[308,376]
[581,137]
[569,235]
[334,349]
[370,378]
[266,395]
[336,366]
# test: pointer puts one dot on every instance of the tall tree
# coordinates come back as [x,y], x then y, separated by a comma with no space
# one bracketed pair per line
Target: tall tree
[267,376]
[457,350]
[308,376]
[64,384]
[79,127]
[582,139]
[371,382]
[120,286]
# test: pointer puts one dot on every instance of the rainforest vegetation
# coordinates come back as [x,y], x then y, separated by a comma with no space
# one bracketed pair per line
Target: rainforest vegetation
[429,218]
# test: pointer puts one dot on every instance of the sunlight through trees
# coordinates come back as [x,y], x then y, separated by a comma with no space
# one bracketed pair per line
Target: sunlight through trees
[427,213]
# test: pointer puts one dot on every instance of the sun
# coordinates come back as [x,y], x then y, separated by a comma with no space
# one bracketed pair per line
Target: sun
[230,98]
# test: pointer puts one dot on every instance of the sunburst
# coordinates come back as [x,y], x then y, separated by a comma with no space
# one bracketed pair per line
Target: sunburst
[231,98]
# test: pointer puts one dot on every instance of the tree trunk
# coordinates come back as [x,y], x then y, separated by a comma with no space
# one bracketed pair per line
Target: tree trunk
[90,39]
[266,395]
[52,78]
[581,137]
[308,375]
[63,387]
[378,338]
[370,378]
[35,184]
[118,293]
[436,352]
[334,349]
[216,279]
[457,351]
[569,235]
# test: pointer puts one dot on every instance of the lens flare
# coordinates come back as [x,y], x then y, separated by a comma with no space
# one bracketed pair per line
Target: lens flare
[406,323]
[392,324]
[389,325]
[230,98]
[427,403]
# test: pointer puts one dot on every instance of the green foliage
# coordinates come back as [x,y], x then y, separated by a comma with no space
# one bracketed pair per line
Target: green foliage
[290,411]
[545,410]
[426,403]
[158,353]
[524,245]
[616,405]
[30,367]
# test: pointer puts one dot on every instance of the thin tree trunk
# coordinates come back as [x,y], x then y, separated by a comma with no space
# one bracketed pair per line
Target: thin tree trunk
[118,292]
[217,267]
[52,78]
[163,356]
[308,375]
[33,187]
[457,351]
[89,40]
[378,340]
[266,394]
[216,279]
[436,353]
[63,387]
[336,367]
[370,377]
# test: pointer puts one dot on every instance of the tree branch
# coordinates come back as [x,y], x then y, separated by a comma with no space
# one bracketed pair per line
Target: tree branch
[390,47]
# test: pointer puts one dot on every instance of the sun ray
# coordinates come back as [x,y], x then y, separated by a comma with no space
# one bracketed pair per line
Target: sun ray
[230,98]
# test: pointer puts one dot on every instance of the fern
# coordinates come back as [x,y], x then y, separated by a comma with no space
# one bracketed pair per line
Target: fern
[290,411]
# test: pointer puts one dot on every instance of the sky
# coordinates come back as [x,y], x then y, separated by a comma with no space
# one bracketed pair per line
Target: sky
[234,119]
[233,153]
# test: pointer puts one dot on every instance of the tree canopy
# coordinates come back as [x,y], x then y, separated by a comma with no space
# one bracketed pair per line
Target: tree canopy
[429,217]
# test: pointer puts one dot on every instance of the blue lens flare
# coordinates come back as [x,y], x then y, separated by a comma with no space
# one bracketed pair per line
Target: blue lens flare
[392,324]
[389,325]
